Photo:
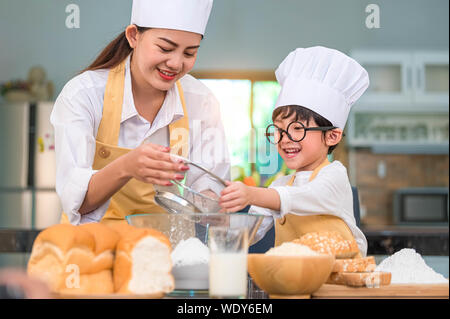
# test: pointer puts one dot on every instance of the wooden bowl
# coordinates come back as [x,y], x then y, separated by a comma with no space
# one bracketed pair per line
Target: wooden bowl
[289,275]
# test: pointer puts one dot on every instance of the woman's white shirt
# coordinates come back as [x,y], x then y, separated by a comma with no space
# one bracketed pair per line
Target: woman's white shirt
[76,117]
[329,193]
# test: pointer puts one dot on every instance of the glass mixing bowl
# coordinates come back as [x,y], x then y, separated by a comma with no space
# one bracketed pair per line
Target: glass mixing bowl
[190,231]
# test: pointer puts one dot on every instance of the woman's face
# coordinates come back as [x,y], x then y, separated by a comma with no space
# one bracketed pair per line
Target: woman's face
[163,56]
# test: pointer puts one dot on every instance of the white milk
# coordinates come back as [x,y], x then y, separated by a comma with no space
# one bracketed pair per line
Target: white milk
[228,275]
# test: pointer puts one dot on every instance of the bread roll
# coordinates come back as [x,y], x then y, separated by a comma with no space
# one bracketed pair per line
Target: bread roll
[143,262]
[99,259]
[123,229]
[57,248]
[336,278]
[366,264]
[105,246]
[97,283]
[329,242]
[75,259]
[361,279]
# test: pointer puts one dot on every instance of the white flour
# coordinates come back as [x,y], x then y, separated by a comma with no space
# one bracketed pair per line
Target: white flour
[190,252]
[291,249]
[407,267]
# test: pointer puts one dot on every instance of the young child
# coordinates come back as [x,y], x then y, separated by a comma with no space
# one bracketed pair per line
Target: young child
[318,87]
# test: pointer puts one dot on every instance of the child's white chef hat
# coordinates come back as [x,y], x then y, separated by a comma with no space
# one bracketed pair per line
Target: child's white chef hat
[323,80]
[185,15]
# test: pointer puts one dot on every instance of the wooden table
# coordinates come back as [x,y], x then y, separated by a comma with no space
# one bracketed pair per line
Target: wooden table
[392,291]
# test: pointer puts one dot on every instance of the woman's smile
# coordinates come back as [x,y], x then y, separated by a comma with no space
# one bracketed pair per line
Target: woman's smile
[167,75]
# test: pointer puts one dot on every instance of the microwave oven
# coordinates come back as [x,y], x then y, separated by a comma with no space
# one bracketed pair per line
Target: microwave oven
[427,206]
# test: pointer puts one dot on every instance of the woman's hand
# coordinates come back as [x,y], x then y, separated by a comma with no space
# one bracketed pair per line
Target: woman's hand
[151,163]
[235,197]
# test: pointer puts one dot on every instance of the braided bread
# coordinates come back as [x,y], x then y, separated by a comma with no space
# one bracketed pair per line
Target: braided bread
[329,242]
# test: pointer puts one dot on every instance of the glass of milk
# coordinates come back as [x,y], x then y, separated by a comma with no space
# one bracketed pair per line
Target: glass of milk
[228,262]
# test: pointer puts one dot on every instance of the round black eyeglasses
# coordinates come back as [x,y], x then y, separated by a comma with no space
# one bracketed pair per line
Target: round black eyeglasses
[295,131]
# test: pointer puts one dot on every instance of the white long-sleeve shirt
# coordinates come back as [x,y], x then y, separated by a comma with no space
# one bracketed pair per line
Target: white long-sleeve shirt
[76,117]
[329,193]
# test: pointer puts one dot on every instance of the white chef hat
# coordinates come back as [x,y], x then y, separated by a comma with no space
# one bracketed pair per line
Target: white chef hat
[323,80]
[185,15]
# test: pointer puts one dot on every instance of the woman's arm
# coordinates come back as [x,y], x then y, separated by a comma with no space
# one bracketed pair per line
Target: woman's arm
[82,189]
[103,185]
[148,163]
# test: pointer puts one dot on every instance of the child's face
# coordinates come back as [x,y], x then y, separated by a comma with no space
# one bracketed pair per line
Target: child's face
[305,155]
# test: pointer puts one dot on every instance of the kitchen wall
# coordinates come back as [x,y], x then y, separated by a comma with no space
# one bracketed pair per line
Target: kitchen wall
[400,171]
[241,34]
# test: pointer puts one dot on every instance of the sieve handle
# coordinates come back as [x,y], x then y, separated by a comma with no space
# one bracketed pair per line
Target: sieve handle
[200,167]
[192,190]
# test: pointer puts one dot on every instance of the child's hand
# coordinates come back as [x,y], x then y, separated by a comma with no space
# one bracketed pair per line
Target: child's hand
[234,197]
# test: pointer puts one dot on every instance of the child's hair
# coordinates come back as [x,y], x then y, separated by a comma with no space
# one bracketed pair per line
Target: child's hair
[302,114]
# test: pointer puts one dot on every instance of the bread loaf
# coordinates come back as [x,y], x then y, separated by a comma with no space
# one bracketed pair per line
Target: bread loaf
[68,258]
[361,279]
[143,262]
[329,242]
[105,246]
[99,259]
[122,229]
[100,283]
[57,248]
[366,264]
[336,278]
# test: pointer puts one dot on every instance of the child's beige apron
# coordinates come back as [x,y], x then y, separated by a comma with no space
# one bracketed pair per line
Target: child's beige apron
[135,196]
[291,226]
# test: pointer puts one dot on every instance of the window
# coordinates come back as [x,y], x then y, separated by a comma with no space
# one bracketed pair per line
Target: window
[234,98]
[246,101]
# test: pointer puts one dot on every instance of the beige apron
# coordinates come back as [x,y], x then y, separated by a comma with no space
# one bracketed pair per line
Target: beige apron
[291,226]
[135,196]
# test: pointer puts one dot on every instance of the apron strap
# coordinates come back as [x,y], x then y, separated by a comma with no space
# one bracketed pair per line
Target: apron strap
[179,130]
[314,173]
[109,128]
[317,170]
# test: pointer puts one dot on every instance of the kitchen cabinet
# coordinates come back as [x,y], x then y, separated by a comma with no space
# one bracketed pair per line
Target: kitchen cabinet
[405,79]
[405,108]
[431,78]
[390,77]
[394,131]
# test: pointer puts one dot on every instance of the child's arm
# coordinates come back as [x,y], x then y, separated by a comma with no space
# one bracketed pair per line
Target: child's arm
[237,195]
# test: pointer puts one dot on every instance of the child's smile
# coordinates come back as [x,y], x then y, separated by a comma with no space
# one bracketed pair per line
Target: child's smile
[291,152]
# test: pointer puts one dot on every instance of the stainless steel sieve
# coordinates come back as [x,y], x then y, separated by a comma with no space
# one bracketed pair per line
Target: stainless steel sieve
[184,199]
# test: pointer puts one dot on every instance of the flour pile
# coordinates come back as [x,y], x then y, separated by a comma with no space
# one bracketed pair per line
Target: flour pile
[190,252]
[408,267]
[291,249]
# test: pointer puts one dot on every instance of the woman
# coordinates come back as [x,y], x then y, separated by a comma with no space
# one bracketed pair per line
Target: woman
[117,123]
